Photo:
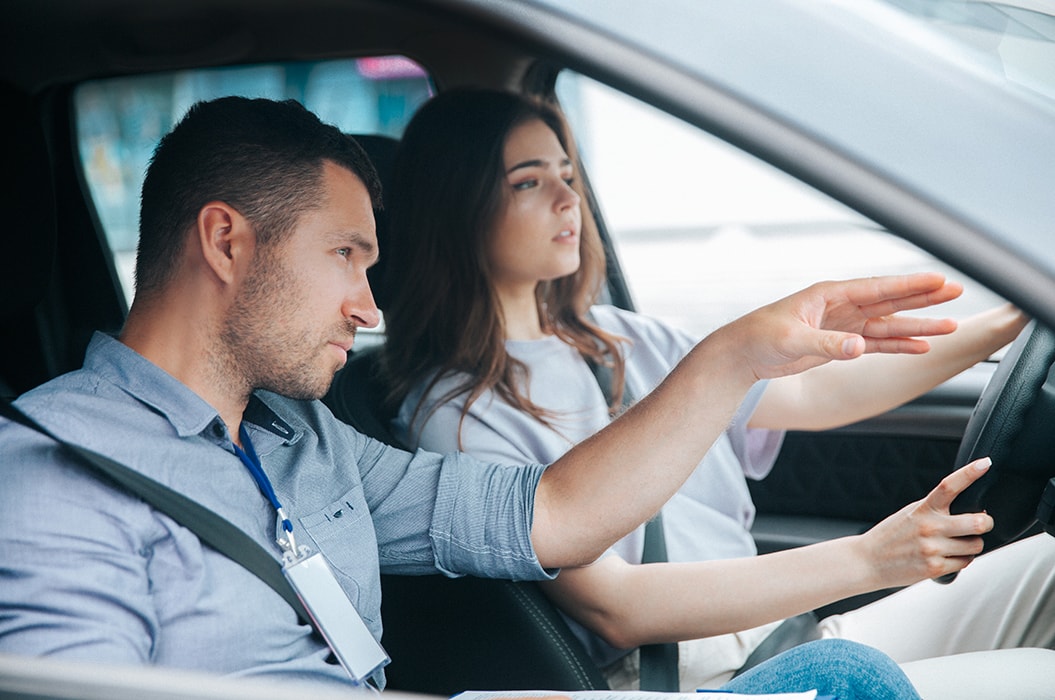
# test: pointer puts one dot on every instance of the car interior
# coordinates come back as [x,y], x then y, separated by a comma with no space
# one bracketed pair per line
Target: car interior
[513,634]
[60,280]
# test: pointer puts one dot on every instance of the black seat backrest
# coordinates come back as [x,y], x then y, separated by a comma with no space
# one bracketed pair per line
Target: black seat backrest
[29,243]
[357,393]
[357,397]
[444,634]
[382,152]
[57,282]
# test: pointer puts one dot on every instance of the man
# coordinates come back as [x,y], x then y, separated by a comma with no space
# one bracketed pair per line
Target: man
[256,232]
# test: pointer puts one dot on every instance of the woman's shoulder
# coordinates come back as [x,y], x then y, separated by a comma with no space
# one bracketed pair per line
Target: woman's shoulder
[433,389]
[641,329]
[436,403]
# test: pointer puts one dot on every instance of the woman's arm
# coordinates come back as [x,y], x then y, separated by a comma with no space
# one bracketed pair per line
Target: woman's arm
[842,393]
[630,605]
[615,480]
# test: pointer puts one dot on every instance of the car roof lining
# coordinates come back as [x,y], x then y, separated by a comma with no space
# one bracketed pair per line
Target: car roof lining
[108,38]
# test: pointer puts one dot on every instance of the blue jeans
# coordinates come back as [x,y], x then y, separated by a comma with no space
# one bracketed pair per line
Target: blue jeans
[845,669]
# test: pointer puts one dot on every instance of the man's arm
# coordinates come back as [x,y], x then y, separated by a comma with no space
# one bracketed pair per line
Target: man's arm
[612,482]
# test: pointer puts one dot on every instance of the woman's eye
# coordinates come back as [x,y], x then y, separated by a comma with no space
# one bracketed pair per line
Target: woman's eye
[525,184]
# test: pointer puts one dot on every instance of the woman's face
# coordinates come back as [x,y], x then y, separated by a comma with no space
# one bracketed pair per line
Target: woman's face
[536,234]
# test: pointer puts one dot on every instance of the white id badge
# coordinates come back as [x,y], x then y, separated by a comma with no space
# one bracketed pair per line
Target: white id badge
[335,616]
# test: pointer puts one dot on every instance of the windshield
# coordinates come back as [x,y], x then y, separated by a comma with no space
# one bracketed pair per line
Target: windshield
[1015,40]
[936,116]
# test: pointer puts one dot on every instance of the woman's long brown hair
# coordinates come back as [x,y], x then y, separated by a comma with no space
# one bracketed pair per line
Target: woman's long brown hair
[444,317]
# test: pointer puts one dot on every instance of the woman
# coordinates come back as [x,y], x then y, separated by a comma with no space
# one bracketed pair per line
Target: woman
[492,357]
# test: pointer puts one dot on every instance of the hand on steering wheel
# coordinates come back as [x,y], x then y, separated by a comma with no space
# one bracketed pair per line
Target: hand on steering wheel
[1013,423]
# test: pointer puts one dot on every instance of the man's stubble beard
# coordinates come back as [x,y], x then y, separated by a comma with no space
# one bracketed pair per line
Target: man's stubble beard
[261,344]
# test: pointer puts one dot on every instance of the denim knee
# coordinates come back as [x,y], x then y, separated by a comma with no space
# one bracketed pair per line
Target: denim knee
[848,670]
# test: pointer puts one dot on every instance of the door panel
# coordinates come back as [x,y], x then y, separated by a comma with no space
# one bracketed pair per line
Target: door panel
[841,481]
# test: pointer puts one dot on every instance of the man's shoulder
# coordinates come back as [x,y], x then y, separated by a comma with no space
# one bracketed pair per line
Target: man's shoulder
[34,468]
[88,410]
[79,392]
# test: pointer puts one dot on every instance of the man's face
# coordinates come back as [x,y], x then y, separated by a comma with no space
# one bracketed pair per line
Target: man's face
[294,319]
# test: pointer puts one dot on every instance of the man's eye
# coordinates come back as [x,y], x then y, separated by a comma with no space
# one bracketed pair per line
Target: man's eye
[344,252]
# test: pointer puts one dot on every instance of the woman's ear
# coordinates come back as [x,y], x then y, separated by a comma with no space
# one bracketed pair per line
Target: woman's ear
[226,239]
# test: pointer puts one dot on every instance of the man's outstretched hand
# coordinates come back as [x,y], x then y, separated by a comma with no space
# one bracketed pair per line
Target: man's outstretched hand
[843,320]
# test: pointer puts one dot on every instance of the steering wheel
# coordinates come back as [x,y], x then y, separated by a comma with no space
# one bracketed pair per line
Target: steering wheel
[1014,424]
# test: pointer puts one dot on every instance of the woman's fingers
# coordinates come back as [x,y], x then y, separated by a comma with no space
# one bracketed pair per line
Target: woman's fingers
[924,540]
[942,496]
[962,533]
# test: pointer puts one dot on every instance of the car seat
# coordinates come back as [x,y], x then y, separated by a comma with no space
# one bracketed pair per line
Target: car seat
[29,242]
[445,634]
[56,277]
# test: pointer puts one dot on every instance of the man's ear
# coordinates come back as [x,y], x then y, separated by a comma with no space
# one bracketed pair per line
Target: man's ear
[226,239]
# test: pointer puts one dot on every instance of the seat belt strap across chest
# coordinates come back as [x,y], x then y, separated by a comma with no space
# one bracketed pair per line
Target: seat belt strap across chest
[659,662]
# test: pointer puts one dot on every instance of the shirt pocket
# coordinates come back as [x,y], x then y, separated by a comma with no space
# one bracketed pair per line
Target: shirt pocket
[344,532]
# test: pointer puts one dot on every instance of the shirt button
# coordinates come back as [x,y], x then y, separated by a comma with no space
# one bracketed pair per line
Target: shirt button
[217,430]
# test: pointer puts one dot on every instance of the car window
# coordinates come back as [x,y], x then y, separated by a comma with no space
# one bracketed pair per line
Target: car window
[1013,39]
[120,121]
[706,232]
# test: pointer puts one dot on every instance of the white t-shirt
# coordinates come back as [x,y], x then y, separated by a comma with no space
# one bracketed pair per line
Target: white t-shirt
[711,515]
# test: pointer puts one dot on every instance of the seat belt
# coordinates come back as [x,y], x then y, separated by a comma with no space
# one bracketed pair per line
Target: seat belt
[659,662]
[215,531]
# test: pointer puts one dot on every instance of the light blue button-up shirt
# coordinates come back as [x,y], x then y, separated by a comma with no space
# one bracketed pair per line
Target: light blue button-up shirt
[90,572]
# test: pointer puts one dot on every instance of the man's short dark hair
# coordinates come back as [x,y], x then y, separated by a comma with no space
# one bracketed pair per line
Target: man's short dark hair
[262,157]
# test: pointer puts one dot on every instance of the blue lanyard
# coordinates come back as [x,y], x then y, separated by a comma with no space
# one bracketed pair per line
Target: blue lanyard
[252,462]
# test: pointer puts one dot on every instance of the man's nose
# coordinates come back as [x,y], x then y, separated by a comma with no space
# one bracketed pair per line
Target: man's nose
[359,306]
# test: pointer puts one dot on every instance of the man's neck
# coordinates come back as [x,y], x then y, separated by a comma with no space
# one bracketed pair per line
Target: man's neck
[189,353]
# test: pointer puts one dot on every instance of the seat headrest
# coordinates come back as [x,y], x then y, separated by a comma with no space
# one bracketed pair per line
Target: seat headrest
[28,200]
[382,153]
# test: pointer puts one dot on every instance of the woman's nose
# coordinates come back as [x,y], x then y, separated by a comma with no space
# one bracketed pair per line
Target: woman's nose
[568,197]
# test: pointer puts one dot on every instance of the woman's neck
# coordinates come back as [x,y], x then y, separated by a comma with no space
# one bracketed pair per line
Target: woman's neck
[521,317]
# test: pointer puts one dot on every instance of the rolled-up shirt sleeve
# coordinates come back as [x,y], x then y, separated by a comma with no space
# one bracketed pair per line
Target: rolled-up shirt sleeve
[451,513]
[482,525]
